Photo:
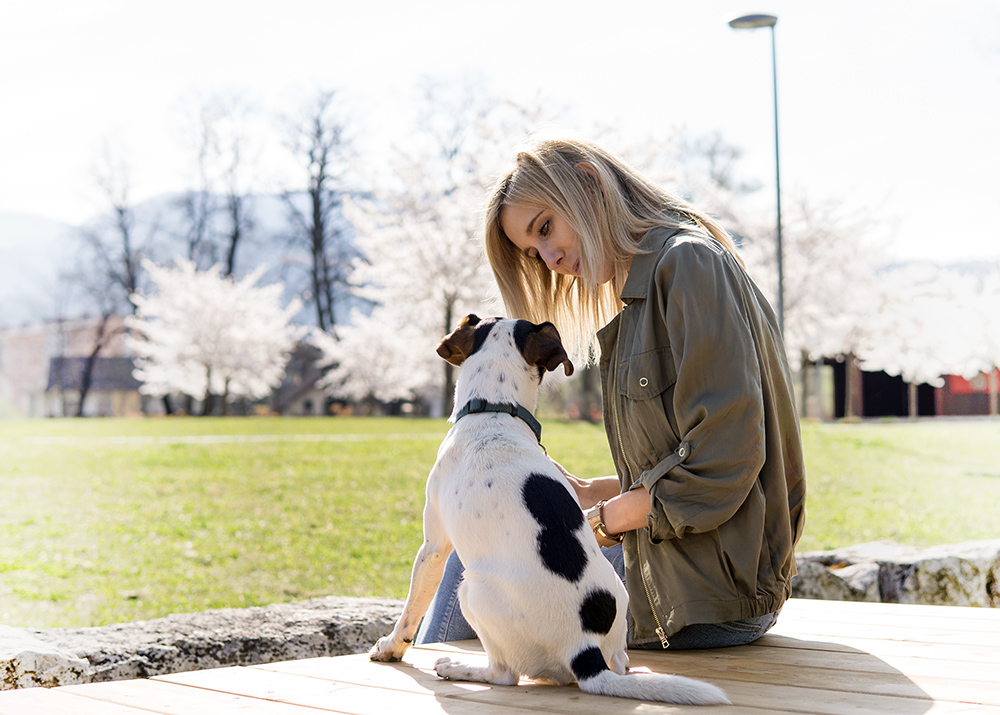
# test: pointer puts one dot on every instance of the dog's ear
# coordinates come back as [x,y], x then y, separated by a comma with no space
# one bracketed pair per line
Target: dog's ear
[543,348]
[457,345]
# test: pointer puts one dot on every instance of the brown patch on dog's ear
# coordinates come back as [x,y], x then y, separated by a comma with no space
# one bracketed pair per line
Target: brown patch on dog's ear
[457,345]
[544,348]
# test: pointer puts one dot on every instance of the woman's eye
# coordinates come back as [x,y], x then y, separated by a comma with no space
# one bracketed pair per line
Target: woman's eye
[543,230]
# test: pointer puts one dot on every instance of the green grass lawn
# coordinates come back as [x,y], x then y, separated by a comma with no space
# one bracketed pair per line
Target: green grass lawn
[104,521]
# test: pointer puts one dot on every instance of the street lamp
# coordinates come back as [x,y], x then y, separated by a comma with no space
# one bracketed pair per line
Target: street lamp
[752,22]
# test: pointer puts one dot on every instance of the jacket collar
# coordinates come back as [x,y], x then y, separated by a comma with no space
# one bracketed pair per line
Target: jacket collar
[644,263]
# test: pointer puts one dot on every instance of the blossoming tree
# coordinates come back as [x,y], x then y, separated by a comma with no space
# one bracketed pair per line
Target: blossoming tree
[205,335]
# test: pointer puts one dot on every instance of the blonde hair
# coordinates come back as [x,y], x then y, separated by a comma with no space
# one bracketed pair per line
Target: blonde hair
[609,205]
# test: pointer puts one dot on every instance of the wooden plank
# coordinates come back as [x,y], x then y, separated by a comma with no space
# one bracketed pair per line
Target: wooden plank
[254,683]
[55,701]
[358,670]
[746,696]
[848,659]
[899,618]
[895,684]
[912,610]
[917,632]
[170,699]
[880,647]
[321,693]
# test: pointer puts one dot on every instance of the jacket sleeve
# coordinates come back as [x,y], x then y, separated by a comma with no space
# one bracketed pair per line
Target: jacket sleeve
[717,398]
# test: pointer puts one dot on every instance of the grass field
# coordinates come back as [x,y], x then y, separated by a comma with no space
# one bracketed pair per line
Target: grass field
[104,521]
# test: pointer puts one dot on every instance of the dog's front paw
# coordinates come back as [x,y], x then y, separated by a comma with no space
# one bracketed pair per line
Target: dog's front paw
[386,651]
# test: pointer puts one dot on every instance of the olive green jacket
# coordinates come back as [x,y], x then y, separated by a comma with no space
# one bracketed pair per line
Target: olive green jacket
[699,410]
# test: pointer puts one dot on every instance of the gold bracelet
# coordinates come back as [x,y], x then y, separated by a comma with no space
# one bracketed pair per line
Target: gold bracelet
[595,516]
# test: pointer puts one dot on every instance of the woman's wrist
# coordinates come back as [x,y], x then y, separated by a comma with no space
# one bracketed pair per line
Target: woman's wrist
[626,512]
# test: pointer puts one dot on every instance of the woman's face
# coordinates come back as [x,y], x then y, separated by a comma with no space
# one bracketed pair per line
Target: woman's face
[544,235]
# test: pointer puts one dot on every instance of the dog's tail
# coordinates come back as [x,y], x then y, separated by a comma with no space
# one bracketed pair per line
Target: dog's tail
[594,676]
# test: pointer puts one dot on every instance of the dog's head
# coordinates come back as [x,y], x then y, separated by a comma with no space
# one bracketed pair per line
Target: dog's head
[540,345]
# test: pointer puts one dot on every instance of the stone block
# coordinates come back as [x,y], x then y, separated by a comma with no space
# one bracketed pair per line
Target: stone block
[197,641]
[966,574]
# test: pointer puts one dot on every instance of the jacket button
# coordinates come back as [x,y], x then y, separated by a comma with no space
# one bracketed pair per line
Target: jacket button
[643,382]
[682,451]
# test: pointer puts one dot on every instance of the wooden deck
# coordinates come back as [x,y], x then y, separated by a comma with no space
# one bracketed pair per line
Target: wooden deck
[822,657]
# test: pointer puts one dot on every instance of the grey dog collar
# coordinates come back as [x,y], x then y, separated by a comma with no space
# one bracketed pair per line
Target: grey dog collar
[477,406]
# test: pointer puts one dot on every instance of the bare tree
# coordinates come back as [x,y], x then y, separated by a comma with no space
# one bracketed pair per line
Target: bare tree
[114,241]
[110,271]
[217,215]
[320,139]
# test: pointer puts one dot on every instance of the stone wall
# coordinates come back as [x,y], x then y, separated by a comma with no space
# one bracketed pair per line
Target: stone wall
[966,574]
[140,649]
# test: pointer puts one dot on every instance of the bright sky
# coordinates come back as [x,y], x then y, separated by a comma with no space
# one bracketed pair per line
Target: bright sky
[890,105]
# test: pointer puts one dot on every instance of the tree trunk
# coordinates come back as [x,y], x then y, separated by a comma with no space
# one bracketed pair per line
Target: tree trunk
[853,406]
[993,384]
[209,406]
[236,233]
[911,389]
[805,364]
[589,394]
[87,378]
[449,370]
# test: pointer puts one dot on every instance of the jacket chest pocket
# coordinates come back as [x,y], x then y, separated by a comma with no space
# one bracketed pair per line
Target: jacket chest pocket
[646,375]
[649,426]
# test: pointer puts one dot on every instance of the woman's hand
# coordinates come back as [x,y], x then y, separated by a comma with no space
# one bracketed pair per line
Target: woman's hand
[590,491]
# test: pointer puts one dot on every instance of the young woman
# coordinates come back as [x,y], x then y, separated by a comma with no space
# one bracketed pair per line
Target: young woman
[703,517]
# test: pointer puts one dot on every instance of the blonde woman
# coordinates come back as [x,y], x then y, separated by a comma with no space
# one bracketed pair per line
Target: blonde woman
[708,504]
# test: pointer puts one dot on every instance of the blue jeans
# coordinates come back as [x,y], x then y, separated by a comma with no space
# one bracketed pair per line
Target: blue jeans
[444,620]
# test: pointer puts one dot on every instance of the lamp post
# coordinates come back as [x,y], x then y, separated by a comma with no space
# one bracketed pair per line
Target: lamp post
[752,22]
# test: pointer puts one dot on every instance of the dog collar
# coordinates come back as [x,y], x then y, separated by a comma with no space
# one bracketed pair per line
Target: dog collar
[477,406]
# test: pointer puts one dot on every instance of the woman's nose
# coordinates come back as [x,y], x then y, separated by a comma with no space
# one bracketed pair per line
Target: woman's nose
[553,258]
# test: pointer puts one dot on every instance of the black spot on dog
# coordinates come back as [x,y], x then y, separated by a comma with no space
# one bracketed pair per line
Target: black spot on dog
[597,612]
[560,517]
[588,663]
[482,332]
[501,377]
[489,484]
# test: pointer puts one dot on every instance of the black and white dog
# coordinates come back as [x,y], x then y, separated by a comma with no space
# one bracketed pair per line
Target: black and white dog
[544,601]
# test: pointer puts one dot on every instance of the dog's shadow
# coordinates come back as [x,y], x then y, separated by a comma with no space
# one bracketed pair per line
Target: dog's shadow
[815,676]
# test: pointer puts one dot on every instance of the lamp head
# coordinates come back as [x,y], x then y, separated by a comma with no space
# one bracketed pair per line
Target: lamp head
[752,22]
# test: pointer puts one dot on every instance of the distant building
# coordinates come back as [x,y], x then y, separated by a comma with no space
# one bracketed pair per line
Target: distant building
[113,391]
[27,351]
[299,394]
[877,394]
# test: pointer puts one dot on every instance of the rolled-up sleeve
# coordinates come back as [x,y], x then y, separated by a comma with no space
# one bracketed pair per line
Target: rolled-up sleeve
[717,398]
